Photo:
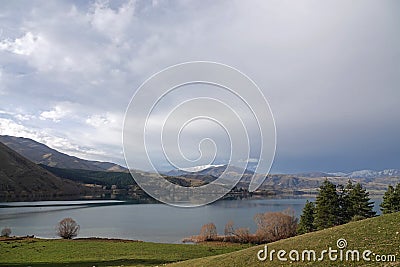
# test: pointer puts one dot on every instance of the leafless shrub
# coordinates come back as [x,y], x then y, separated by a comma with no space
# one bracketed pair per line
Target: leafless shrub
[274,226]
[208,232]
[6,231]
[228,231]
[242,235]
[67,228]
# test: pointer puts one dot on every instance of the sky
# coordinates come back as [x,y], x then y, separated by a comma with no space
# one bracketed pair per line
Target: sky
[330,71]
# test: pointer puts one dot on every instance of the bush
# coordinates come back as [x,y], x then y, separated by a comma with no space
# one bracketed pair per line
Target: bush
[242,235]
[273,226]
[67,228]
[229,228]
[6,231]
[208,232]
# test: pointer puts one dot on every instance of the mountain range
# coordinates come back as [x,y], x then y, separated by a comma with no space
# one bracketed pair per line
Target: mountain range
[29,167]
[217,170]
[42,154]
[370,173]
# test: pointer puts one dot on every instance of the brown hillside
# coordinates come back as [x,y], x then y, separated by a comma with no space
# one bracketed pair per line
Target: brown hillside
[20,177]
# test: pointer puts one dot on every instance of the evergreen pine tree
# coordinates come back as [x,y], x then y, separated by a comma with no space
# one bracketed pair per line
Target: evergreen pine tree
[360,203]
[306,224]
[391,200]
[387,203]
[396,200]
[327,206]
[344,203]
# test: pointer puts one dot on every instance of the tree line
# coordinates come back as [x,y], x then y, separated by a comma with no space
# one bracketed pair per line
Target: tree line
[338,204]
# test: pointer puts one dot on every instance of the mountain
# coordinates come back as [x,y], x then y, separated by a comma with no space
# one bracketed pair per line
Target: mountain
[374,174]
[205,170]
[42,154]
[200,168]
[315,174]
[301,183]
[20,177]
[191,170]
[369,174]
[338,174]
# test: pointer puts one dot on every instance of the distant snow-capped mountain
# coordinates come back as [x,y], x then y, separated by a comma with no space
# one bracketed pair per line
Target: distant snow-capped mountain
[200,168]
[368,173]
[210,170]
[192,170]
[216,170]
[339,174]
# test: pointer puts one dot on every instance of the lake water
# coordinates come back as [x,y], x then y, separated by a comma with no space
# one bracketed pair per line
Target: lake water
[147,222]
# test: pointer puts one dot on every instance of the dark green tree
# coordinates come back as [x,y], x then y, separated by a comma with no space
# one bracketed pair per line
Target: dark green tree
[306,224]
[327,209]
[359,202]
[391,200]
[344,203]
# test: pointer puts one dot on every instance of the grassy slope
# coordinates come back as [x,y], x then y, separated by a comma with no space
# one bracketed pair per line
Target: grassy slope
[381,235]
[42,252]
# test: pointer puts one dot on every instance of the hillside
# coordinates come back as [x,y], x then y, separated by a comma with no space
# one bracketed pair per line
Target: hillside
[123,180]
[21,177]
[42,154]
[381,235]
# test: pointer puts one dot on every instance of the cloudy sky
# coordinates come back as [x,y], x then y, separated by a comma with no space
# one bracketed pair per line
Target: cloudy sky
[329,69]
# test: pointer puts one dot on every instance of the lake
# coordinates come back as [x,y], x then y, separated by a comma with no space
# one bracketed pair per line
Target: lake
[147,222]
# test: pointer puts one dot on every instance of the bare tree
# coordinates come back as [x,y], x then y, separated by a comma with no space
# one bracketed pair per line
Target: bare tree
[208,232]
[6,231]
[67,228]
[242,235]
[228,231]
[274,226]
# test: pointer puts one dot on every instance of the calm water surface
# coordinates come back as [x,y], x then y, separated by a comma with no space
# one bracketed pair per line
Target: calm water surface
[147,222]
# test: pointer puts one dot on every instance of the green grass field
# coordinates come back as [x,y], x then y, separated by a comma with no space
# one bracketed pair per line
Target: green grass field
[381,235]
[45,252]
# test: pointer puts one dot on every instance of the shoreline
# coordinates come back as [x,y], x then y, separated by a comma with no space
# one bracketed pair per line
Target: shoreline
[124,200]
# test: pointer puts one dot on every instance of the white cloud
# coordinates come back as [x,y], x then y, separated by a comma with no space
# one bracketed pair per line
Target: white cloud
[22,46]
[112,23]
[57,113]
[24,117]
[9,127]
[2,90]
[101,120]
[12,128]
[19,115]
